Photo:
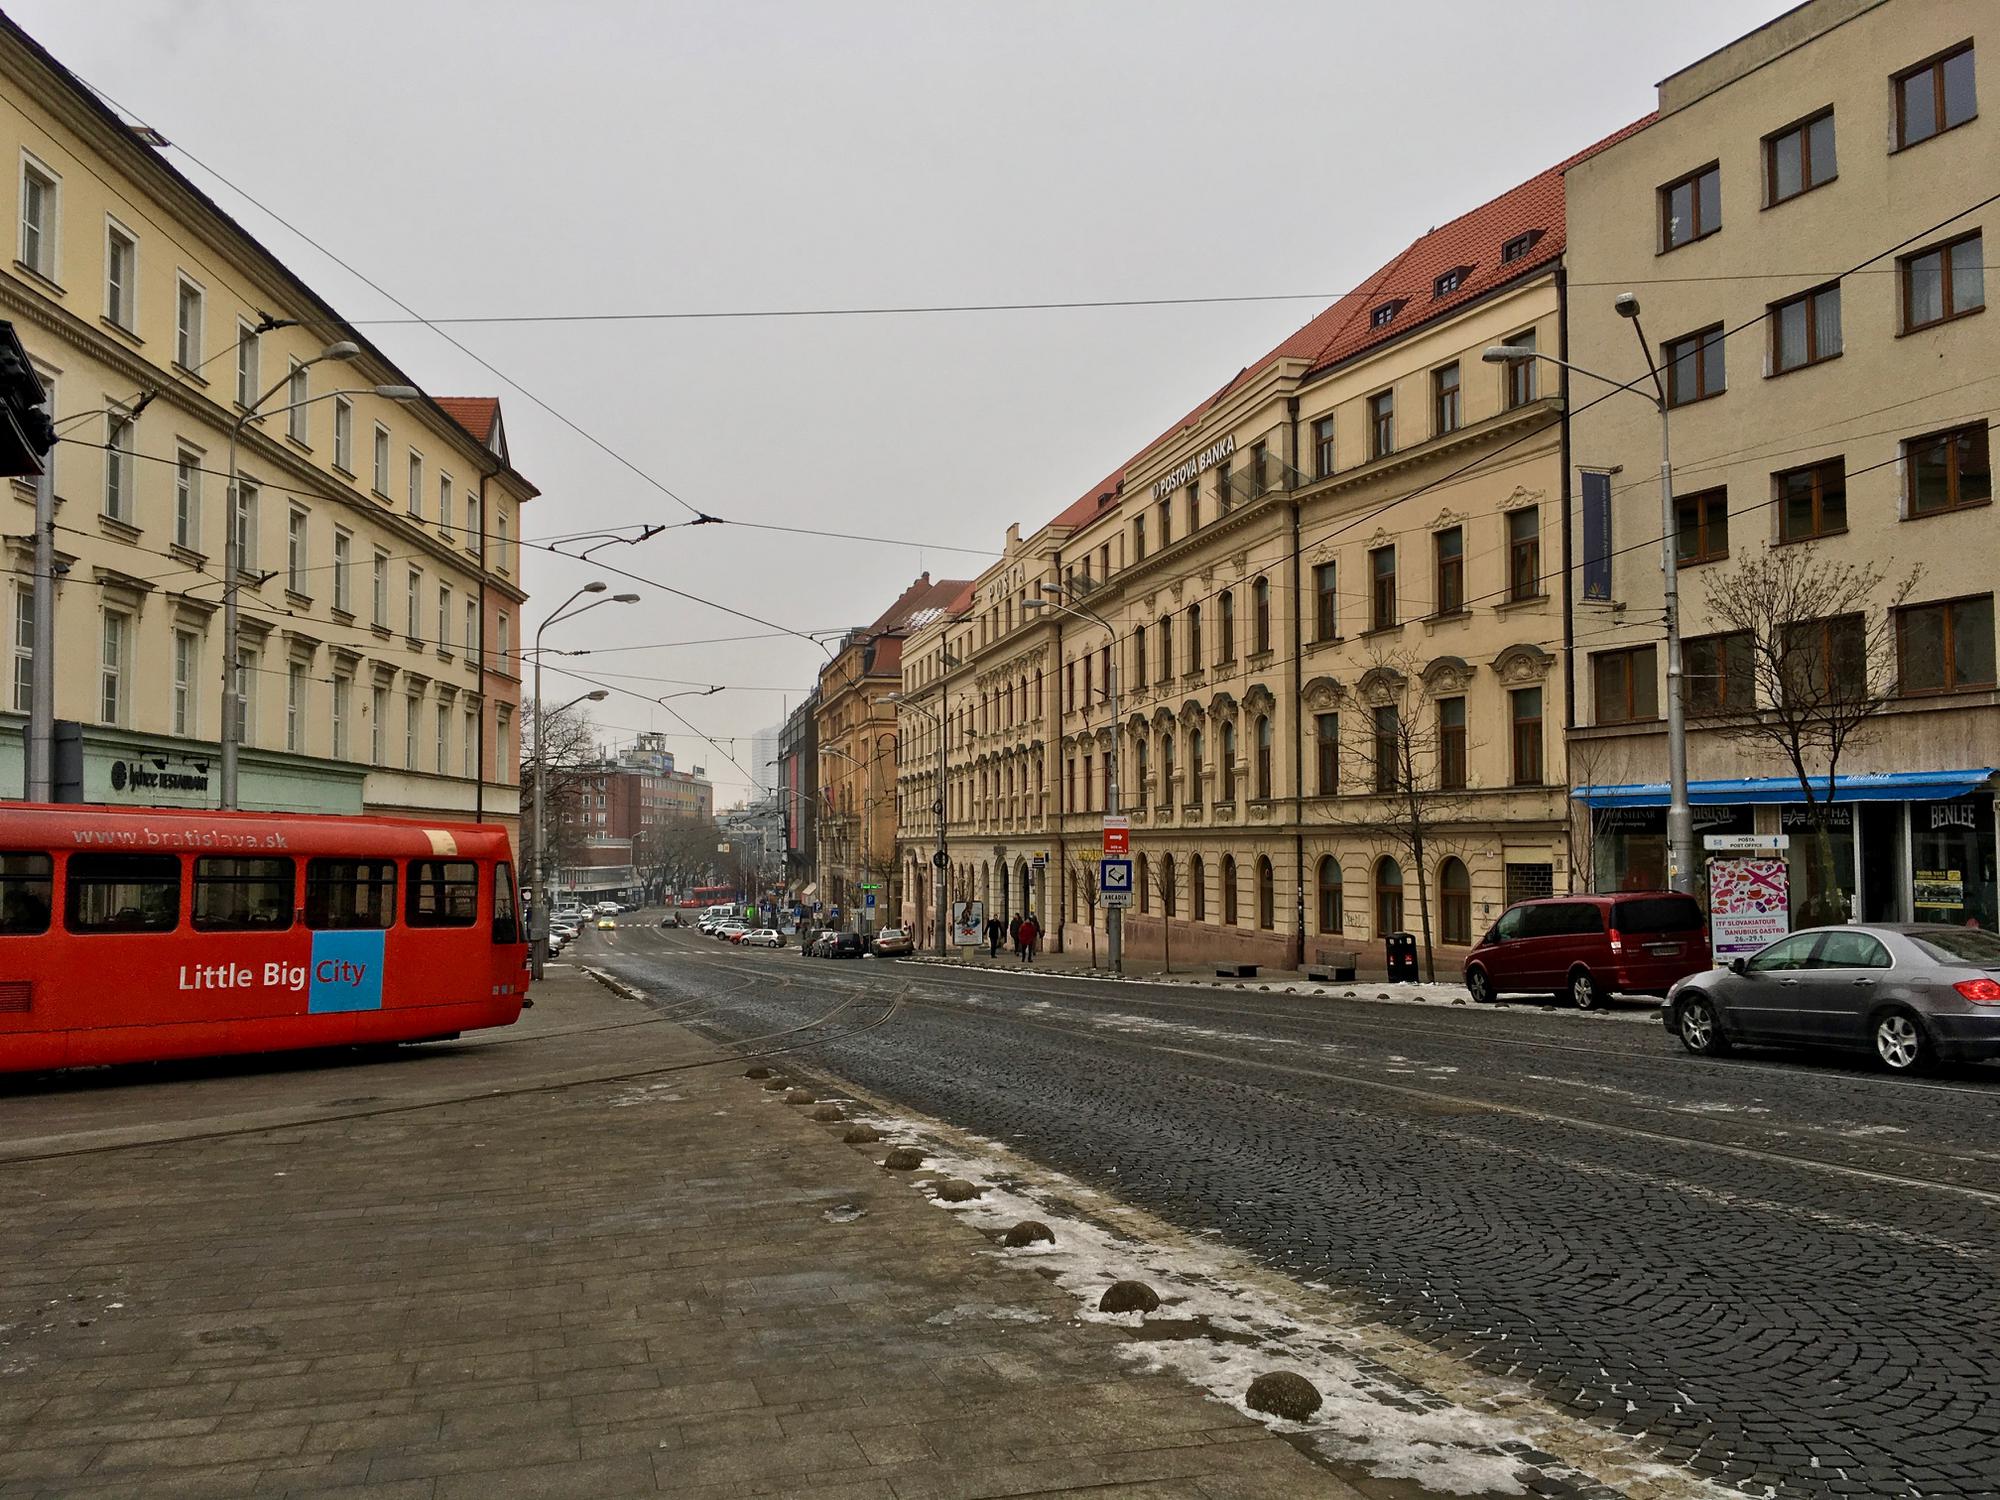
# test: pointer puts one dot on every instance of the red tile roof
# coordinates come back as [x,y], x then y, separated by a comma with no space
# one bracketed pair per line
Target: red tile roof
[476,414]
[919,604]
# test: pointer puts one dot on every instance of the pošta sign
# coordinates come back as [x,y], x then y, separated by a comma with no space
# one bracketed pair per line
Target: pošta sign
[1195,467]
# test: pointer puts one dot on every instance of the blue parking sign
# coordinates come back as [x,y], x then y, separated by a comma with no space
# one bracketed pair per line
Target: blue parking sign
[1114,876]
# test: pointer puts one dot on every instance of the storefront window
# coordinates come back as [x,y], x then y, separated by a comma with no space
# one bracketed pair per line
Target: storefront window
[1952,873]
[1822,881]
[1630,851]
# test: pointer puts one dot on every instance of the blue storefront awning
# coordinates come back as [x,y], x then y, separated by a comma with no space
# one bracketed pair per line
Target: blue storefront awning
[1886,786]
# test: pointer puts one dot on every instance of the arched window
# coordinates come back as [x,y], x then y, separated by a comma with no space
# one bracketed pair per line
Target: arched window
[1196,752]
[1167,768]
[1227,735]
[1263,777]
[1455,902]
[1197,888]
[1388,896]
[1267,895]
[1021,711]
[1145,892]
[1194,638]
[1225,627]
[1166,635]
[1330,918]
[1168,890]
[1038,692]
[1229,890]
[1139,771]
[1260,610]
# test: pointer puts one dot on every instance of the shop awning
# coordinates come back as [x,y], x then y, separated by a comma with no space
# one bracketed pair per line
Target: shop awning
[1886,786]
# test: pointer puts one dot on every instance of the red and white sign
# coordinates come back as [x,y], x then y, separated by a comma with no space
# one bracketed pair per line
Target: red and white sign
[1117,834]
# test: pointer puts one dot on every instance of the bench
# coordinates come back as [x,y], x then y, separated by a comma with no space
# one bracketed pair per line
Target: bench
[1235,971]
[1333,965]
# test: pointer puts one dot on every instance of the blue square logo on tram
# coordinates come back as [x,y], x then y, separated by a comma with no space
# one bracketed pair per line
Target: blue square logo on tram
[346,972]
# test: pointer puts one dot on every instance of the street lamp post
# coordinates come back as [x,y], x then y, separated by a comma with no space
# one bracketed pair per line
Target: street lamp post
[1114,916]
[1680,816]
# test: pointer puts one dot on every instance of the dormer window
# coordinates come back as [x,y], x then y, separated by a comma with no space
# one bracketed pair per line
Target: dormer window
[1450,281]
[1384,315]
[1520,245]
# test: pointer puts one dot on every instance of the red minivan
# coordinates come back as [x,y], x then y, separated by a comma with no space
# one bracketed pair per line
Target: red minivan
[1587,948]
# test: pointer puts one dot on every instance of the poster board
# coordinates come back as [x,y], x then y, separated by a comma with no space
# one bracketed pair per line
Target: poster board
[968,923]
[1749,904]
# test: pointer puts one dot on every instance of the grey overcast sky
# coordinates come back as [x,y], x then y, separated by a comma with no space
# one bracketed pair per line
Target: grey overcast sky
[501,157]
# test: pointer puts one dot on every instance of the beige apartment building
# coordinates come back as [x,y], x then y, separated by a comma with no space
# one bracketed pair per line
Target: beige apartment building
[1317,627]
[380,587]
[1802,225]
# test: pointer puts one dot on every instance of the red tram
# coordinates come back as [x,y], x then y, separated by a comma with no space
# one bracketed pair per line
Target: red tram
[141,934]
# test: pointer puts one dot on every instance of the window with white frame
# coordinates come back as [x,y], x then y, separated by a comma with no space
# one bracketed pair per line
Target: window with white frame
[243,525]
[500,538]
[113,663]
[444,502]
[412,704]
[343,571]
[471,625]
[470,745]
[443,641]
[378,724]
[121,275]
[343,434]
[295,707]
[247,674]
[24,647]
[187,499]
[187,679]
[247,389]
[380,482]
[473,541]
[443,738]
[188,300]
[118,497]
[413,606]
[40,192]
[500,639]
[298,391]
[342,706]
[381,588]
[416,484]
[295,550]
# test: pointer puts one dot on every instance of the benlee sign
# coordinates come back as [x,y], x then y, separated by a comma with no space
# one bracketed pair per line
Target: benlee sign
[1195,467]
[345,974]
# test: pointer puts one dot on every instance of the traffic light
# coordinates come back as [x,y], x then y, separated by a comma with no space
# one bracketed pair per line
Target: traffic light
[26,433]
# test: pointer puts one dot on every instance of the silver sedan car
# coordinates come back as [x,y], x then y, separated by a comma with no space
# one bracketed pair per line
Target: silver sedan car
[1910,993]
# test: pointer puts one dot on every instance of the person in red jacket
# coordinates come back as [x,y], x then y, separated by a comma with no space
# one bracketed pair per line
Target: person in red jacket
[1024,942]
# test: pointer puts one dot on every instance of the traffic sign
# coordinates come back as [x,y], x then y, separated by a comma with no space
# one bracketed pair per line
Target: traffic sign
[868,900]
[1109,899]
[871,885]
[1117,834]
[940,859]
[1114,877]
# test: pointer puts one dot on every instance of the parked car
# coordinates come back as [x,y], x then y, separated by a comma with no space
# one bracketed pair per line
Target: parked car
[1911,993]
[1587,948]
[892,942]
[570,915]
[846,945]
[564,930]
[730,930]
[762,937]
[821,943]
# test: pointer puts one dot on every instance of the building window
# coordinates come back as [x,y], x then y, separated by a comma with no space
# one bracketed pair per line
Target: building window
[1193,494]
[1701,526]
[1322,447]
[247,389]
[1823,661]
[1384,315]
[40,189]
[1449,282]
[121,276]
[1524,553]
[1326,603]
[444,503]
[1388,896]
[1165,515]
[1326,752]
[343,571]
[1263,753]
[474,542]
[1381,424]
[1626,685]
[443,738]
[381,589]
[1445,410]
[1387,745]
[471,625]
[1267,894]
[1197,760]
[295,707]
[1169,887]
[118,495]
[187,677]
[1812,501]
[412,605]
[379,482]
[1694,366]
[1799,158]
[1718,673]
[443,641]
[1691,207]
[112,663]
[1228,884]
[1805,329]
[1225,609]
[411,706]
[416,500]
[245,706]
[298,390]
[1138,538]
[187,499]
[1138,656]
[1947,471]
[1944,646]
[1197,888]
[295,551]
[1451,744]
[1525,710]
[1382,588]
[1194,638]
[1228,759]
[343,701]
[1450,547]
[501,560]
[1942,283]
[1165,631]
[470,767]
[1260,610]
[1454,902]
[1260,476]
[1331,917]
[187,325]
[500,636]
[24,648]
[343,434]
[1935,96]
[1518,247]
[1521,372]
[378,725]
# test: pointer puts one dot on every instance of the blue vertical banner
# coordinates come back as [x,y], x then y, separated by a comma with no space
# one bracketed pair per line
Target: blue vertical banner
[1596,537]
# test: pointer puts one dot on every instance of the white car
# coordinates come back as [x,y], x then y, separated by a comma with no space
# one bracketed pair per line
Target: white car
[728,930]
[763,937]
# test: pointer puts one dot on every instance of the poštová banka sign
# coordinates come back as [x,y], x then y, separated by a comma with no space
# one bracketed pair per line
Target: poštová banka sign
[1195,467]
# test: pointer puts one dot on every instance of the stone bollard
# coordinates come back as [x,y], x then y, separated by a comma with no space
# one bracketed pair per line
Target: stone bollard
[829,1112]
[760,1071]
[1284,1394]
[958,1190]
[860,1135]
[1128,1296]
[801,1096]
[1028,1232]
[903,1159]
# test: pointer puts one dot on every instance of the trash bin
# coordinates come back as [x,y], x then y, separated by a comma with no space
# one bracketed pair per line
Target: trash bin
[1402,948]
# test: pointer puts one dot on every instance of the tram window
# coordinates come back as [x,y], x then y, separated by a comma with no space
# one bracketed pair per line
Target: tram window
[346,893]
[27,886]
[506,907]
[443,893]
[123,893]
[242,895]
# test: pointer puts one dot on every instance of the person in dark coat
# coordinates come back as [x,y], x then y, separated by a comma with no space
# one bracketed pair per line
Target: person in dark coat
[994,933]
[1014,932]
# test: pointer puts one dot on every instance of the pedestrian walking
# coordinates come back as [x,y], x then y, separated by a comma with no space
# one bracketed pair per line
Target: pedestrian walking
[1024,940]
[994,933]
[1014,932]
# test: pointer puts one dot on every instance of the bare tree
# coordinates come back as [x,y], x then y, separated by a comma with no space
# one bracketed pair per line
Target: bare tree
[1085,865]
[1815,652]
[679,853]
[1587,760]
[1163,874]
[1416,769]
[558,753]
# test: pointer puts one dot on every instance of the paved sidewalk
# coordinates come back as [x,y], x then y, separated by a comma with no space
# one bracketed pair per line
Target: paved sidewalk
[496,1270]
